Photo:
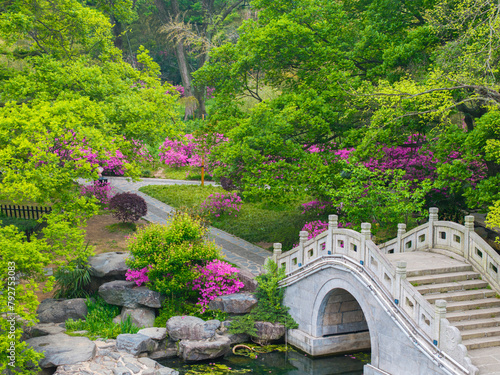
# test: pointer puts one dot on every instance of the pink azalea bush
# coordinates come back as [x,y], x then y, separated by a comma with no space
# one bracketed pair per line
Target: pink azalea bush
[315,207]
[139,276]
[221,203]
[217,278]
[188,151]
[99,189]
[317,226]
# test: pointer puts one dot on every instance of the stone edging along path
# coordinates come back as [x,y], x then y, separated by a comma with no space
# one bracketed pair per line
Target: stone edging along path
[236,250]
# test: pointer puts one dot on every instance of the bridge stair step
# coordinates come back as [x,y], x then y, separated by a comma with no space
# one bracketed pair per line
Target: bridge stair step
[465,325]
[443,278]
[480,332]
[439,270]
[477,304]
[486,313]
[483,342]
[451,286]
[461,295]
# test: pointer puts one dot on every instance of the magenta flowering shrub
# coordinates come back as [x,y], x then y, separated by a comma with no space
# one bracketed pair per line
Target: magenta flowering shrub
[315,207]
[99,189]
[217,278]
[219,204]
[188,151]
[316,227]
[139,276]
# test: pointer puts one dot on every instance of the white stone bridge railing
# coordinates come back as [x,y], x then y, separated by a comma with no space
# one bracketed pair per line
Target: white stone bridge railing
[446,236]
[429,319]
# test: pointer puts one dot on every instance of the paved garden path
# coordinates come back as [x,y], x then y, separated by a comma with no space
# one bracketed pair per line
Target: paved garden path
[236,250]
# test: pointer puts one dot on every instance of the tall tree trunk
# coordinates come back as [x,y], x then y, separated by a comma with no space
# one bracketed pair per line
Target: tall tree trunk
[117,32]
[180,53]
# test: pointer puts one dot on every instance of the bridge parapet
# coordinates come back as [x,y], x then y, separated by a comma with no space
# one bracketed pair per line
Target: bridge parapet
[346,245]
[452,237]
[360,248]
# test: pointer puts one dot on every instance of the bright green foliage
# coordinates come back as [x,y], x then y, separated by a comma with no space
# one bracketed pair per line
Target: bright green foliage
[382,197]
[99,321]
[19,301]
[73,281]
[173,250]
[269,307]
[64,88]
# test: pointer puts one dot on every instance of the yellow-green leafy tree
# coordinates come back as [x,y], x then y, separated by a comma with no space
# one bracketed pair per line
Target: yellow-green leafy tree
[63,88]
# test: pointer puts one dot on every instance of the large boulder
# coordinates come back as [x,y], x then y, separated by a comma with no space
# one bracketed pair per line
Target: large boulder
[135,343]
[62,349]
[140,317]
[191,328]
[110,264]
[199,350]
[126,293]
[155,333]
[43,329]
[247,278]
[59,310]
[267,332]
[110,361]
[237,303]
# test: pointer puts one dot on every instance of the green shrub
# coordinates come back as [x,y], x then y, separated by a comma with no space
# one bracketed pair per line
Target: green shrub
[99,321]
[73,281]
[173,251]
[270,306]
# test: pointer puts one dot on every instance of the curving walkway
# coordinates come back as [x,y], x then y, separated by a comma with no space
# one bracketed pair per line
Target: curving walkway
[236,250]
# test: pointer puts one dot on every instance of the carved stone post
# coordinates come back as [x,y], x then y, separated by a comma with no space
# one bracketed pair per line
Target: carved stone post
[399,245]
[469,227]
[439,313]
[400,276]
[276,252]
[367,235]
[302,240]
[433,216]
[333,223]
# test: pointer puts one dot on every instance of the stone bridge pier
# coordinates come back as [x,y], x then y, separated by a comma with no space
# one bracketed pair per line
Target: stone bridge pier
[338,312]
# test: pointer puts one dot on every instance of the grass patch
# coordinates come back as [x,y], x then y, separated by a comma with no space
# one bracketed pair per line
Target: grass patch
[122,227]
[256,222]
[99,321]
[21,224]
[184,173]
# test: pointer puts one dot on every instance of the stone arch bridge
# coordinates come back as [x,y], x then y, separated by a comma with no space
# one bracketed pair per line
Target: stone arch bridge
[425,302]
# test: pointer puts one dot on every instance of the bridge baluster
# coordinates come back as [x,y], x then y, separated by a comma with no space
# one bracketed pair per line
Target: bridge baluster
[302,240]
[400,276]
[399,245]
[276,253]
[333,223]
[440,313]
[367,235]
[469,227]
[433,216]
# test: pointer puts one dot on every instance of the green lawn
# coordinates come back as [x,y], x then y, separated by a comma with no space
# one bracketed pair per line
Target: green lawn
[256,222]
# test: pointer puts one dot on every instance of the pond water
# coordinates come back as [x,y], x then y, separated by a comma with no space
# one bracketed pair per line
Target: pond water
[276,363]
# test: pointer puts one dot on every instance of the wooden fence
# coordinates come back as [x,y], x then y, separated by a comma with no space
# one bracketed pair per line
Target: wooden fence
[23,212]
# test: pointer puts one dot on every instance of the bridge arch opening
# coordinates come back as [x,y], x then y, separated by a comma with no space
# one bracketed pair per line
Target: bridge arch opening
[340,316]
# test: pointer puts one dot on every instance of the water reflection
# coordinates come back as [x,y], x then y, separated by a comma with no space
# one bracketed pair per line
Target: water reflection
[291,363]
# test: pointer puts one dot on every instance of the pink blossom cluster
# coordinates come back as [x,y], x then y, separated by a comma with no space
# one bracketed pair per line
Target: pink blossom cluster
[220,203]
[188,152]
[418,162]
[182,91]
[139,276]
[99,189]
[176,153]
[315,207]
[317,226]
[217,278]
